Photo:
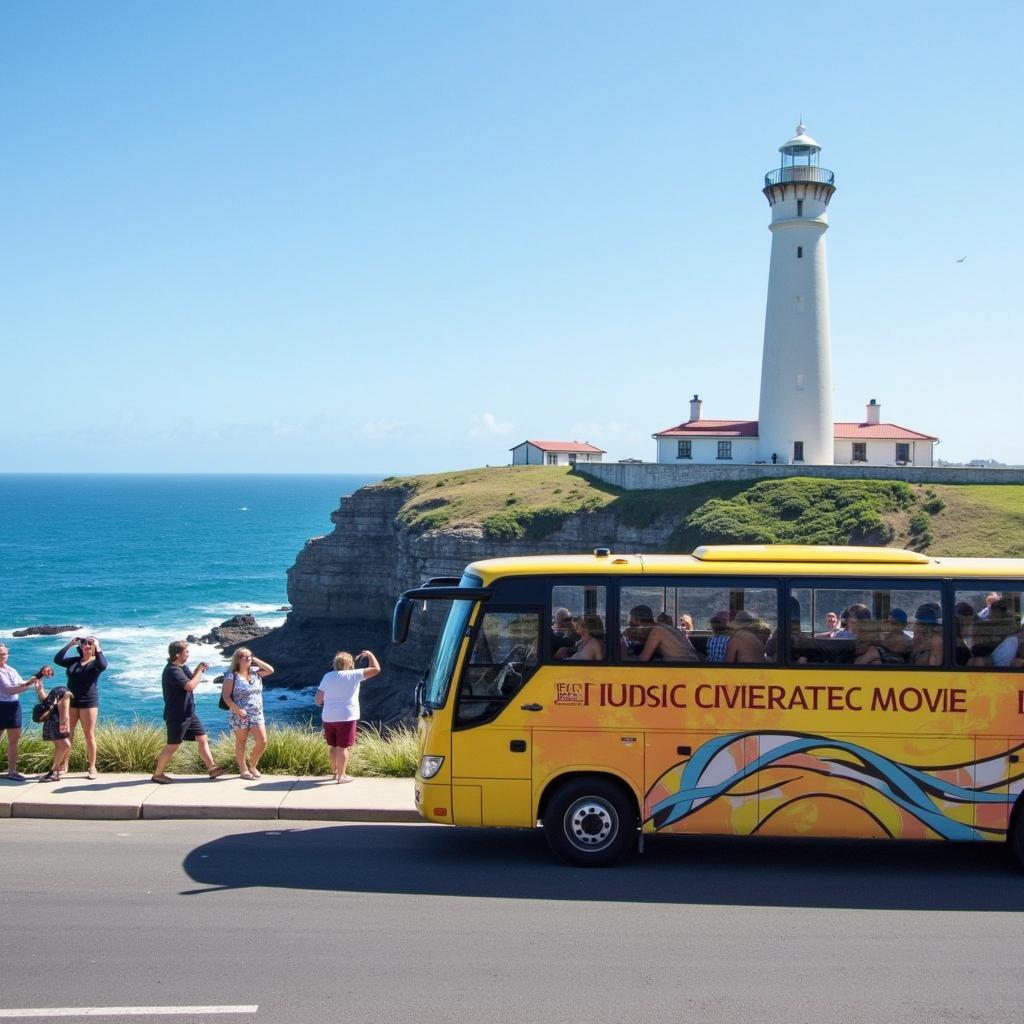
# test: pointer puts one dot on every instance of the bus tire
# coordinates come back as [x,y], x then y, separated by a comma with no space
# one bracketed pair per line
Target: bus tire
[1015,836]
[590,822]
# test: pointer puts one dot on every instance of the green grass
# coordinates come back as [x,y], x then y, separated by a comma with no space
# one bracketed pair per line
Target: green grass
[290,750]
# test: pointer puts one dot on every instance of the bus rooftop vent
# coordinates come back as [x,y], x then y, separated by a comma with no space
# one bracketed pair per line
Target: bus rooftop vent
[602,552]
[820,553]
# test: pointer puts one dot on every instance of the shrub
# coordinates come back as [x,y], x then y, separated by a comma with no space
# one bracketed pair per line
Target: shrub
[934,506]
[920,521]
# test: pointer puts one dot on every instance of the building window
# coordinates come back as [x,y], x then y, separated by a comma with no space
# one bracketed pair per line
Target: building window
[799,252]
[799,207]
[860,451]
[572,458]
[903,453]
[684,450]
[725,449]
[552,459]
[798,451]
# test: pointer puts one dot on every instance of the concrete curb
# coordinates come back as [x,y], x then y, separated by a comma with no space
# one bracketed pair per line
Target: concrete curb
[273,797]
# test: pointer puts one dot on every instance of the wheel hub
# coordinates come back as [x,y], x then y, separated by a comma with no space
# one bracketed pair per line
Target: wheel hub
[591,823]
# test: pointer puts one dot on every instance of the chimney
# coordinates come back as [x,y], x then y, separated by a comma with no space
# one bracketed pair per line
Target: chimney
[695,404]
[874,412]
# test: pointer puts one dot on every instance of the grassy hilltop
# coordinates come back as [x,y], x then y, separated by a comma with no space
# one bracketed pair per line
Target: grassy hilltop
[531,502]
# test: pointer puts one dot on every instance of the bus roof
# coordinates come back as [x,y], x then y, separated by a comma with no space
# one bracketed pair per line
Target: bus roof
[753,560]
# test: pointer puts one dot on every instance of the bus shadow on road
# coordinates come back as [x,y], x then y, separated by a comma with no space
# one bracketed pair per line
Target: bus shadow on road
[491,863]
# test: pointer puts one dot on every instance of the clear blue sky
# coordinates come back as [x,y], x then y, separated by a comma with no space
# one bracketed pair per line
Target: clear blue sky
[402,237]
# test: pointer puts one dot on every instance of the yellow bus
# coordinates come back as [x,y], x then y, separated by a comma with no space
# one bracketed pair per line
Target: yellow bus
[740,690]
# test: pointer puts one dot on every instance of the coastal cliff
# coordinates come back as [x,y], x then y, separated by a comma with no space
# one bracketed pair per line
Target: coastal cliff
[389,537]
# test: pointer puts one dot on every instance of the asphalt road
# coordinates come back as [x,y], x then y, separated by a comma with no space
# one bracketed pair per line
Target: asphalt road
[422,924]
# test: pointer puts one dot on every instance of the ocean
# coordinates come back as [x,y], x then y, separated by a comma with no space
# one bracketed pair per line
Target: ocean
[140,560]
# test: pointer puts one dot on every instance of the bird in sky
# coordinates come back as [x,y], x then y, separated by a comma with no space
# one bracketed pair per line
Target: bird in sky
[962,258]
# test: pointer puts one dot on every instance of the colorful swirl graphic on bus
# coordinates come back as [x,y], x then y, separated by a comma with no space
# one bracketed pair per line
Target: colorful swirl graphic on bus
[794,783]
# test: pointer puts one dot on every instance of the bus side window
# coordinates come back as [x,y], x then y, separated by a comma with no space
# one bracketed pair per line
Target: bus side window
[987,629]
[579,620]
[868,626]
[503,657]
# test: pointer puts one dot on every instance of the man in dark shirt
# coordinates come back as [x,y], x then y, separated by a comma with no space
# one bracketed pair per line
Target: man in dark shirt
[180,711]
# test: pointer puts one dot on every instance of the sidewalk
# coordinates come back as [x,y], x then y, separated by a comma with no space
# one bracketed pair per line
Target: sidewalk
[279,797]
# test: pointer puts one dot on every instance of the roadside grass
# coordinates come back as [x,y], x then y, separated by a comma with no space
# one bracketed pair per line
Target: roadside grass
[291,750]
[979,520]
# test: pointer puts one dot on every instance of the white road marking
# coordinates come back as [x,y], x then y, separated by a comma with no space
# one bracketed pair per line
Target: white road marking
[123,1011]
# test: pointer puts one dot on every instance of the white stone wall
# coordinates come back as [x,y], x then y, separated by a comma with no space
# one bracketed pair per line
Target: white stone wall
[704,450]
[883,453]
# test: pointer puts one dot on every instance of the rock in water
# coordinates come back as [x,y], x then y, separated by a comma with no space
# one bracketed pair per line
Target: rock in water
[44,630]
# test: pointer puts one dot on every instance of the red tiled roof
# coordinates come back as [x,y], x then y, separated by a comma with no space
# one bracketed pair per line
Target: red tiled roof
[878,432]
[840,431]
[562,446]
[712,428]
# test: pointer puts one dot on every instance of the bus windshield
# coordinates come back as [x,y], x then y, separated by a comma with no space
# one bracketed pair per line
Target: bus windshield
[442,664]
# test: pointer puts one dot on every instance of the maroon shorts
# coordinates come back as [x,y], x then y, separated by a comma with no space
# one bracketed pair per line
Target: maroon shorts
[340,734]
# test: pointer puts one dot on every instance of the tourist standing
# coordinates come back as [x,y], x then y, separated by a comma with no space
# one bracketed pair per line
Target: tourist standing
[183,724]
[338,695]
[56,728]
[242,691]
[84,672]
[11,685]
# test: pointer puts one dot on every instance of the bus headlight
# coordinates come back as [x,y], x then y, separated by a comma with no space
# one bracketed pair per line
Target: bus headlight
[430,766]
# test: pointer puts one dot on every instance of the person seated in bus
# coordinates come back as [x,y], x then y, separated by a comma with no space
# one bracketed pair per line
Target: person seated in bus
[926,646]
[990,600]
[963,632]
[866,647]
[563,634]
[634,636]
[720,636]
[686,623]
[746,645]
[844,632]
[666,643]
[895,640]
[1010,652]
[992,629]
[591,643]
[831,627]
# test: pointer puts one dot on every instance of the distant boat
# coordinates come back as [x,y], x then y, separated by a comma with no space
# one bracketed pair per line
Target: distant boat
[243,509]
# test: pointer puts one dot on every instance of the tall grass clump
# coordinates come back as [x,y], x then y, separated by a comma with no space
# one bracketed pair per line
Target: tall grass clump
[291,750]
[391,754]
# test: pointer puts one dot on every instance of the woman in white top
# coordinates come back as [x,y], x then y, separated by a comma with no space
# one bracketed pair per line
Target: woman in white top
[338,695]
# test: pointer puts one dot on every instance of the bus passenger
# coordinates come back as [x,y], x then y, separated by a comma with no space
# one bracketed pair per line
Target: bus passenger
[831,627]
[591,633]
[634,636]
[666,643]
[866,650]
[563,636]
[926,648]
[745,645]
[963,633]
[719,639]
[895,639]
[686,623]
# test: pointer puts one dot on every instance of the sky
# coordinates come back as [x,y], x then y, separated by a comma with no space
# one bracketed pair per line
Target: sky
[404,237]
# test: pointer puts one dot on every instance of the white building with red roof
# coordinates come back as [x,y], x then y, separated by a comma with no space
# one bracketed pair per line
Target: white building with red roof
[723,442]
[555,453]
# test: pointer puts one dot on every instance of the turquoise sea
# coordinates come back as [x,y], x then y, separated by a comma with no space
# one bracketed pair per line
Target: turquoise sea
[140,560]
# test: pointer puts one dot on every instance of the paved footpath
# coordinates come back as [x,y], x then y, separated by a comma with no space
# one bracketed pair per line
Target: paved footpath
[281,797]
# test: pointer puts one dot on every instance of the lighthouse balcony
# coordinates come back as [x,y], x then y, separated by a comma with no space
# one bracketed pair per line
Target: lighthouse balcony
[783,175]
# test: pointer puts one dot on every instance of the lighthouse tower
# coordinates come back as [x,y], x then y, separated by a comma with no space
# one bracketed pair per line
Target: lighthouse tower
[795,415]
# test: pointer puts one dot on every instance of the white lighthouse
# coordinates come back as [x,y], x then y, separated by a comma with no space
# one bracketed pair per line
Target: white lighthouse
[795,415]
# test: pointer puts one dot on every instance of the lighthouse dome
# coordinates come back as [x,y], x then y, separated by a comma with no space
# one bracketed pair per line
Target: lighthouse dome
[800,143]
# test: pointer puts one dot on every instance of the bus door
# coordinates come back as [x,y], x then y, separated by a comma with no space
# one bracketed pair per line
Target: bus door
[491,737]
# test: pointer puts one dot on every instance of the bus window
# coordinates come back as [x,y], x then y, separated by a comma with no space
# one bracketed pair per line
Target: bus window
[987,628]
[866,625]
[723,624]
[578,623]
[503,657]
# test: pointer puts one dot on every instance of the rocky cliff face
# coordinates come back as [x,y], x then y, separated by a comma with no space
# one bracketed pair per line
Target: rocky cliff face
[343,586]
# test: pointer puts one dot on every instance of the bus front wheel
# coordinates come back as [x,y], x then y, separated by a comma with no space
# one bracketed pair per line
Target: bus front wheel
[590,822]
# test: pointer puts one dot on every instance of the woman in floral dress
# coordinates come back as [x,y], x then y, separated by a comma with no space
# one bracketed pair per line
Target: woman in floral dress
[242,691]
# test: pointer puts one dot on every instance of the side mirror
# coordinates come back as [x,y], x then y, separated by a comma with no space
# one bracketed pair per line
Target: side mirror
[400,620]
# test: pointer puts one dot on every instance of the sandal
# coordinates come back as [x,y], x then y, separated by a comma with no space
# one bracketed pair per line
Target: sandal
[248,776]
[91,774]
[216,773]
[162,779]
[50,776]
[255,774]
